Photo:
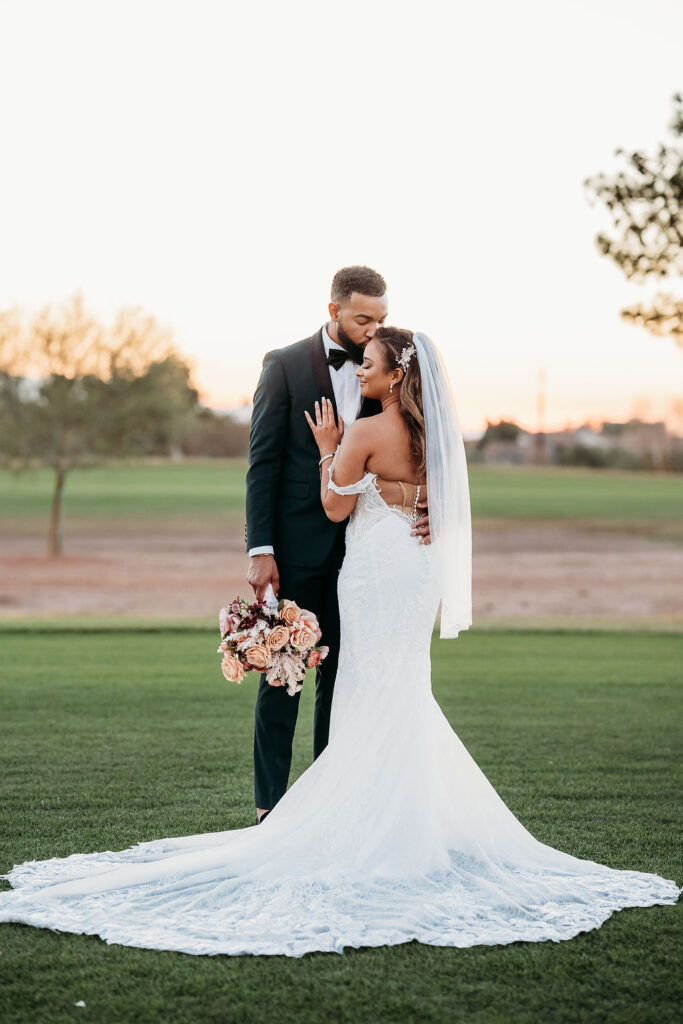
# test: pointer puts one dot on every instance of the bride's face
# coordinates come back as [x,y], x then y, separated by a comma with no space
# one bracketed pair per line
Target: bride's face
[373,374]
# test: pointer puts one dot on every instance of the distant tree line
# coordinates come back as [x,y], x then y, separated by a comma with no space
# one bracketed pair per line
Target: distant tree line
[576,454]
[214,435]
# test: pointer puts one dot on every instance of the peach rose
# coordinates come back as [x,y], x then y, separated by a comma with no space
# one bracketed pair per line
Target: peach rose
[290,612]
[258,656]
[302,637]
[232,668]
[277,638]
[309,618]
[313,659]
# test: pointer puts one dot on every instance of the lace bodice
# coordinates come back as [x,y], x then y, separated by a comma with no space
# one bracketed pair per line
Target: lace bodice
[370,500]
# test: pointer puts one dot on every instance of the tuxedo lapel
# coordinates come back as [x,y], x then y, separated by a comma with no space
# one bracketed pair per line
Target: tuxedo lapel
[321,371]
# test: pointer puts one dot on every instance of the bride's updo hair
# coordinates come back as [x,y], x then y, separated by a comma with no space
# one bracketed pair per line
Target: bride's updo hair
[393,340]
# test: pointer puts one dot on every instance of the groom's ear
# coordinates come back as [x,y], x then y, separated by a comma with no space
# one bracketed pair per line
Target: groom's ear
[333,310]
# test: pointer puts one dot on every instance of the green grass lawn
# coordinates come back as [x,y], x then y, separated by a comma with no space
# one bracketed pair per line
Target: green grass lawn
[111,738]
[199,488]
[193,489]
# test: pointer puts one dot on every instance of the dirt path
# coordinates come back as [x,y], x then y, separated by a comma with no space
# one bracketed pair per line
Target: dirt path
[548,572]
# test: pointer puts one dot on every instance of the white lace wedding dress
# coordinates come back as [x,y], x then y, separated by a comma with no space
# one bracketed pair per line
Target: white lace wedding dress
[393,834]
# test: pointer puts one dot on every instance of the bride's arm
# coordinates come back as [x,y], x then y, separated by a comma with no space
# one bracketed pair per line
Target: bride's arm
[349,467]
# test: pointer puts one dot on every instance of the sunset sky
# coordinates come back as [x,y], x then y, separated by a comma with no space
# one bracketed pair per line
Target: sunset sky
[216,162]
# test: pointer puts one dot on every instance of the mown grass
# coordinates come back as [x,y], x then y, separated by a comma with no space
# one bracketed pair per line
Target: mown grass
[199,488]
[158,491]
[110,738]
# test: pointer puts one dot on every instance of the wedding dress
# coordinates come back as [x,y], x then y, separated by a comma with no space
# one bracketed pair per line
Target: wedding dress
[392,834]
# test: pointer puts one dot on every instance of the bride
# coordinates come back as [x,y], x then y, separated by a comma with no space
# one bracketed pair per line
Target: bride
[393,833]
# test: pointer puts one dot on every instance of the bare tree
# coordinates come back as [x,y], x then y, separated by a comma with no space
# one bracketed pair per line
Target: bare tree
[73,392]
[645,202]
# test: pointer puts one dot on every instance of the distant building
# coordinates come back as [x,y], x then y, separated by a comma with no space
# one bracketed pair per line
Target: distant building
[634,444]
[638,438]
[591,438]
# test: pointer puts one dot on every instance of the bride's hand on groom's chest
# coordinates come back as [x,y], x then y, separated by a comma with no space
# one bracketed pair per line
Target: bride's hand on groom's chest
[326,431]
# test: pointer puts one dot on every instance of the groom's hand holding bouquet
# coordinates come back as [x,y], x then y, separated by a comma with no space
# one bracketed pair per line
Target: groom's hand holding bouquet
[262,572]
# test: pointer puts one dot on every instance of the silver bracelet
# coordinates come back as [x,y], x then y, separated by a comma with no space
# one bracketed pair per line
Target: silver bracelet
[331,455]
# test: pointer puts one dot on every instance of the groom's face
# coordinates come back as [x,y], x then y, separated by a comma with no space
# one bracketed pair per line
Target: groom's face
[359,317]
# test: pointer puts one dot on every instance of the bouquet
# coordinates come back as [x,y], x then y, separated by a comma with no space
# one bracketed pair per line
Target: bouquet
[275,637]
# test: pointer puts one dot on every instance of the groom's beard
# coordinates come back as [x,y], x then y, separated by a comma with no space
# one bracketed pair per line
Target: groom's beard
[355,351]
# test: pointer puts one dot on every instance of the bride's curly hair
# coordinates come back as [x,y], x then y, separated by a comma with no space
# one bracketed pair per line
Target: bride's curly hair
[393,340]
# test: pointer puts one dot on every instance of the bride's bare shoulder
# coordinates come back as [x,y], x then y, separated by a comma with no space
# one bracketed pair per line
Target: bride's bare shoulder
[367,436]
[360,433]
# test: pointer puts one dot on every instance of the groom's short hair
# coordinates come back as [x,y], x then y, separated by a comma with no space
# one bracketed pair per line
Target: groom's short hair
[356,279]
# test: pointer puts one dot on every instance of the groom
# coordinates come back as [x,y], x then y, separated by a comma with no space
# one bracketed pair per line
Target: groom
[290,541]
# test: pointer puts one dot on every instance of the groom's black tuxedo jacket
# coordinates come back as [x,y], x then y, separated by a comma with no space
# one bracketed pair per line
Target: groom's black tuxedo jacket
[283,481]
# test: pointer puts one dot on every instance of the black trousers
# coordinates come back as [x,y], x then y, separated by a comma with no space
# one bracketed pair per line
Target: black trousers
[276,712]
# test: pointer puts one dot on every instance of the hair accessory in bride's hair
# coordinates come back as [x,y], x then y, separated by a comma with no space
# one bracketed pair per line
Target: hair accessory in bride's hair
[407,353]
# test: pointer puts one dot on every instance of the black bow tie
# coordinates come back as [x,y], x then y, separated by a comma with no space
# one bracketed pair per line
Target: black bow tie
[338,356]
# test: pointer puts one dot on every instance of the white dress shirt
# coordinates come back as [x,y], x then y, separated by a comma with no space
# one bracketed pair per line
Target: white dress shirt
[344,383]
[347,396]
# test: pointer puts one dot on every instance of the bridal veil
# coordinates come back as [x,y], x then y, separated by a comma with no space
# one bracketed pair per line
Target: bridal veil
[447,490]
